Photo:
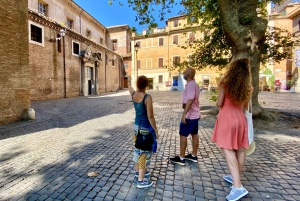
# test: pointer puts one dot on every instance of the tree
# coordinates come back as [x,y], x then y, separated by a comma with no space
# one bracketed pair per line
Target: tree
[233,29]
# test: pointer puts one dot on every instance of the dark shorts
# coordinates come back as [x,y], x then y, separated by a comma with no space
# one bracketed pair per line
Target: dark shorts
[191,127]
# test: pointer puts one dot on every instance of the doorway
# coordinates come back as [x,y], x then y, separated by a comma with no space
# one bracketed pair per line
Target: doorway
[91,84]
[125,82]
[150,86]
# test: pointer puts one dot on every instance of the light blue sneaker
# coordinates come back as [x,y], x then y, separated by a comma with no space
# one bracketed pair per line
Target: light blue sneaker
[228,178]
[144,183]
[146,174]
[236,194]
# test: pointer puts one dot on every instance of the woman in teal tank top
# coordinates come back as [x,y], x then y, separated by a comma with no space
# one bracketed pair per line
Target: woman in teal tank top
[145,121]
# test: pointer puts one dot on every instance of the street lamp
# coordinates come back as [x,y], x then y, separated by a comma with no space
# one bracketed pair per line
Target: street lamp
[62,34]
[136,48]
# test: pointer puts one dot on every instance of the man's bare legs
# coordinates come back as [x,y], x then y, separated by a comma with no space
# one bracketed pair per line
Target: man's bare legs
[195,143]
[183,145]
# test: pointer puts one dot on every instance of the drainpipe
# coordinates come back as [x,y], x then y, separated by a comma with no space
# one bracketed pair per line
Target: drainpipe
[80,21]
[169,55]
[105,60]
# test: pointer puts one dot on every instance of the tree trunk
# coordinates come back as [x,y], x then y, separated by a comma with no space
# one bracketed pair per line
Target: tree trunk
[246,34]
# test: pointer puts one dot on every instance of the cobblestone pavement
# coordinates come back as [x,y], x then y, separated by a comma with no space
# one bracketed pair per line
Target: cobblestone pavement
[49,158]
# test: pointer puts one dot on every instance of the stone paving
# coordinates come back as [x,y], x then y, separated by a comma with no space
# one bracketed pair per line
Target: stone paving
[49,158]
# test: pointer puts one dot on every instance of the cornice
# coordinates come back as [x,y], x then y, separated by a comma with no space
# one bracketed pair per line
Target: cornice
[45,21]
[166,33]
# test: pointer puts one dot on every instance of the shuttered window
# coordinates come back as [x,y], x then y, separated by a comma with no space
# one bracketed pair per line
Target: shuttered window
[160,62]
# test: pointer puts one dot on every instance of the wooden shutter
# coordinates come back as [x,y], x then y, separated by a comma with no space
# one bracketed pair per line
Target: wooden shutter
[161,41]
[192,37]
[160,62]
[160,79]
[175,22]
[138,64]
[175,39]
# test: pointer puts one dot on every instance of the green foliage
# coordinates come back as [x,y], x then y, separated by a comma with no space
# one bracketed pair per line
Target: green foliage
[267,71]
[215,48]
[133,29]
[212,96]
[271,81]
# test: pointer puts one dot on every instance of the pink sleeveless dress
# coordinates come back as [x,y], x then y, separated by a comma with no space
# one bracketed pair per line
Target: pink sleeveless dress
[231,130]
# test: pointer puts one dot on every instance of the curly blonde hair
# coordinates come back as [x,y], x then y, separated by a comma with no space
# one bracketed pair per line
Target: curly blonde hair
[238,81]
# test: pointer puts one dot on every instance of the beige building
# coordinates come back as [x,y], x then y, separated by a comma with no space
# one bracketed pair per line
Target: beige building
[121,40]
[285,16]
[70,52]
[295,63]
[160,49]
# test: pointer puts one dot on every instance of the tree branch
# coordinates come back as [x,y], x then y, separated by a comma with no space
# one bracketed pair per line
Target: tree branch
[230,20]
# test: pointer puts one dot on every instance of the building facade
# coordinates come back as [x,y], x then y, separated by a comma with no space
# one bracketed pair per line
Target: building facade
[295,62]
[160,50]
[70,52]
[285,16]
[121,40]
[14,70]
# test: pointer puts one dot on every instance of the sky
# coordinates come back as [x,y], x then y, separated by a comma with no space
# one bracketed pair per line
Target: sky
[111,15]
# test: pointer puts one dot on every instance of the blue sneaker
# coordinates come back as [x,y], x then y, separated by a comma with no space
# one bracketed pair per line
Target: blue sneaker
[236,194]
[228,178]
[146,174]
[144,183]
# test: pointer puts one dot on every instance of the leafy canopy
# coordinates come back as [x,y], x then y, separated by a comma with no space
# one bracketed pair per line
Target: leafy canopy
[213,50]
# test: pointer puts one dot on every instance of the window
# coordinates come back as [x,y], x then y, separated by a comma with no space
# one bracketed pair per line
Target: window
[191,37]
[160,62]
[176,60]
[149,63]
[58,43]
[42,8]
[115,44]
[101,40]
[161,41]
[75,48]
[113,63]
[138,43]
[36,33]
[88,33]
[69,23]
[126,65]
[175,39]
[175,23]
[160,79]
[299,25]
[138,64]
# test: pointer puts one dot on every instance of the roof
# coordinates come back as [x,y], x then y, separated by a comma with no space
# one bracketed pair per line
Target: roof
[118,27]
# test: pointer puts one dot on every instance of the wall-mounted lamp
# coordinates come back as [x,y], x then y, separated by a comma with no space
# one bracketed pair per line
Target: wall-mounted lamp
[114,58]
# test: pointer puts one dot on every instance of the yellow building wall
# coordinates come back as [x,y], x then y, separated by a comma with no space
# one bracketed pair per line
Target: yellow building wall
[150,51]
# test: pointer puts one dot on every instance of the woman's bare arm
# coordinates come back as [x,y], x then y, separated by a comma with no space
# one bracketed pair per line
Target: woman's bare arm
[221,96]
[150,114]
[131,90]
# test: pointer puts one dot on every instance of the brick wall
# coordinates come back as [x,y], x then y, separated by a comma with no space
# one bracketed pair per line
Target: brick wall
[14,69]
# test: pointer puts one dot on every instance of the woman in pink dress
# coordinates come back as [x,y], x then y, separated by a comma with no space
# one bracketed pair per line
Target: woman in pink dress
[231,133]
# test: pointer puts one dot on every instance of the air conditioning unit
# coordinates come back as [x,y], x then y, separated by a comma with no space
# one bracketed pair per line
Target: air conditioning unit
[289,72]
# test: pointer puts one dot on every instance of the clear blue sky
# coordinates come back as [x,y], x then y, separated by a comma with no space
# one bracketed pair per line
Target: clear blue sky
[110,15]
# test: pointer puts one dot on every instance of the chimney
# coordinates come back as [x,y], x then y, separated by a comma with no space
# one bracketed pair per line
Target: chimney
[144,32]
